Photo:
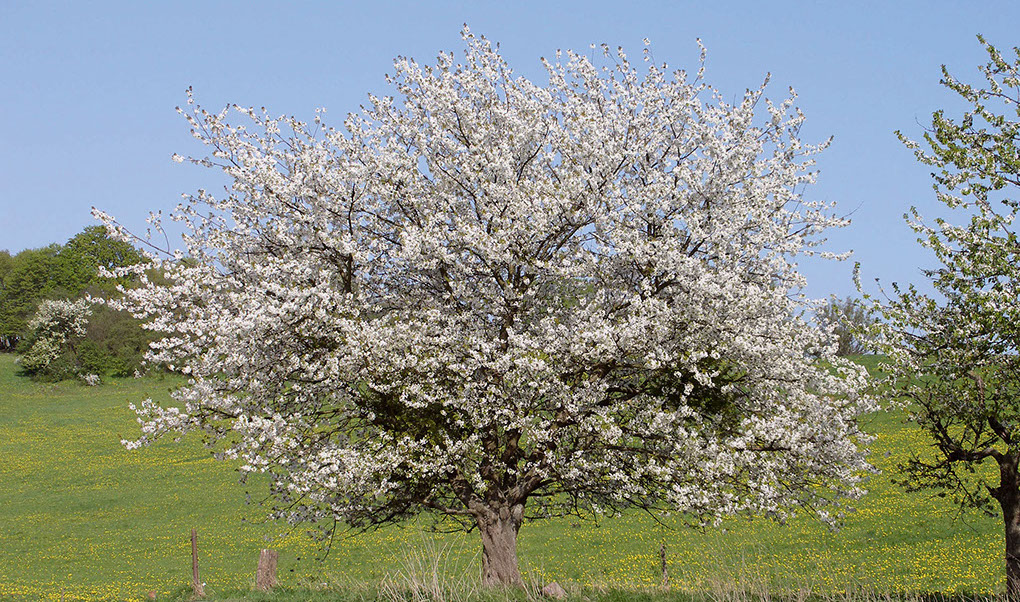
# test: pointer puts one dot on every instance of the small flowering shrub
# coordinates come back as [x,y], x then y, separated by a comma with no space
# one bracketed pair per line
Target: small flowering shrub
[55,332]
[40,356]
[91,380]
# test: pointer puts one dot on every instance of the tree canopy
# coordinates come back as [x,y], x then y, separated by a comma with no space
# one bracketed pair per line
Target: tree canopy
[495,300]
[25,280]
[77,263]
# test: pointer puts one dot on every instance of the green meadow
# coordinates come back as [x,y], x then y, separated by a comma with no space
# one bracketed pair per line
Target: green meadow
[82,518]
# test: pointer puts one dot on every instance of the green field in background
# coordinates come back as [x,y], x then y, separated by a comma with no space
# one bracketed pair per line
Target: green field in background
[83,518]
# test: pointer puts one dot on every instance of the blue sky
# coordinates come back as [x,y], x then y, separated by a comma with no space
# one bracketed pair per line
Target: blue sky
[90,88]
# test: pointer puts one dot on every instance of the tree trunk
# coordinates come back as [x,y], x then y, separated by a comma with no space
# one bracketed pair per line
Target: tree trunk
[499,527]
[1008,496]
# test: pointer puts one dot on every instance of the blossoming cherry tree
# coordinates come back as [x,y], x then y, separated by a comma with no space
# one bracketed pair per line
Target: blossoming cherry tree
[491,300]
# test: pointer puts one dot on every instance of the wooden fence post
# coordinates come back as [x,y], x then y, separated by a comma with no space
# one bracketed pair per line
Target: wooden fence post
[665,569]
[196,584]
[265,575]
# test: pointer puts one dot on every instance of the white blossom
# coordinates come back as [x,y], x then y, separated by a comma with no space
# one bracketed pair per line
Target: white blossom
[55,324]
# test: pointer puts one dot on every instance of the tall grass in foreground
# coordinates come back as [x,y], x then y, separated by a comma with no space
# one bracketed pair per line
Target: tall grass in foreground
[429,573]
[725,593]
[427,577]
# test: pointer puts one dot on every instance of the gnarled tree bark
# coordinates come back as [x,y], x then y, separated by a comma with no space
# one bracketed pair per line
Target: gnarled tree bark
[499,526]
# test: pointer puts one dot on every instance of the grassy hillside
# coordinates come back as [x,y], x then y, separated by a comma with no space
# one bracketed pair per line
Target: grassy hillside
[83,518]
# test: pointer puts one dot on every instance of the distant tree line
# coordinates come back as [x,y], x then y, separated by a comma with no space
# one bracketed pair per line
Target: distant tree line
[109,343]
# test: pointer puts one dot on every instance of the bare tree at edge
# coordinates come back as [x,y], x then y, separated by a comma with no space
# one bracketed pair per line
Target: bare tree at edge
[953,357]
